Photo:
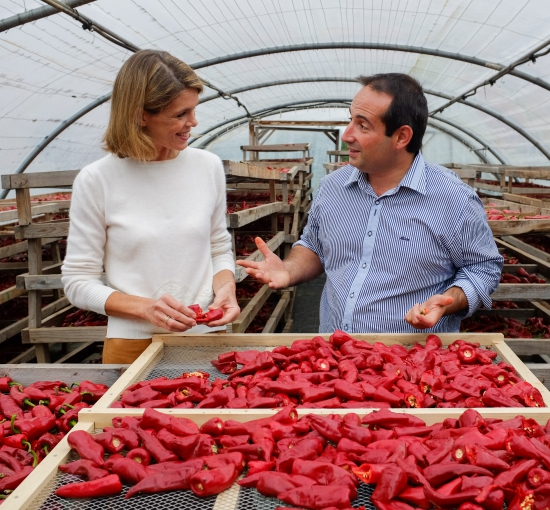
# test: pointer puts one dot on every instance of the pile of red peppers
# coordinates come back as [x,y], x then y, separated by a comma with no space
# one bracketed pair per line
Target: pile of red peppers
[317,462]
[34,419]
[534,327]
[345,373]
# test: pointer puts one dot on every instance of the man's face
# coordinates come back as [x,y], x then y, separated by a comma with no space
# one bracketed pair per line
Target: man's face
[370,150]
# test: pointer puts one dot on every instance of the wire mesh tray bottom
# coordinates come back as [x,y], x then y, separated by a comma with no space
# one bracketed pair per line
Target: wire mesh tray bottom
[235,498]
[175,360]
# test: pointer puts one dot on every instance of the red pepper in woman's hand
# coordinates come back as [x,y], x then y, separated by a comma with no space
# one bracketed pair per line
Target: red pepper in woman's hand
[107,486]
[83,467]
[208,316]
[214,481]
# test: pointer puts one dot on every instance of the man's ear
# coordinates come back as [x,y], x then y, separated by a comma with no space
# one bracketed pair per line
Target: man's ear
[402,136]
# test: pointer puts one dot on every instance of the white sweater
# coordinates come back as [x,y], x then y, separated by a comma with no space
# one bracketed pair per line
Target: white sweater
[157,227]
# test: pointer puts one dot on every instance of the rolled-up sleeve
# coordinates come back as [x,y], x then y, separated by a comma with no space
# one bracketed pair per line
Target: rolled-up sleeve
[476,256]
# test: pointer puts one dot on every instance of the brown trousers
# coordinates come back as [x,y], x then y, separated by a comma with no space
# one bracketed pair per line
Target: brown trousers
[122,351]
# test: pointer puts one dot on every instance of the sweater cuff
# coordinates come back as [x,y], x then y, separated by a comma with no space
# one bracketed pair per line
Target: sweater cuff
[221,262]
[474,300]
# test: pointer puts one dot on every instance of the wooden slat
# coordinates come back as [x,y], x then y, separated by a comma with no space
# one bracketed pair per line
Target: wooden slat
[529,346]
[65,335]
[241,218]
[39,179]
[24,357]
[28,373]
[136,369]
[521,292]
[10,293]
[527,248]
[272,244]
[515,227]
[33,281]
[36,210]
[14,249]
[533,173]
[277,314]
[17,327]
[287,147]
[534,202]
[510,357]
[338,153]
[40,230]
[84,348]
[244,319]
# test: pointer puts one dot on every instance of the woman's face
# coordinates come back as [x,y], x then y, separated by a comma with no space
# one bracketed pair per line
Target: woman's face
[171,128]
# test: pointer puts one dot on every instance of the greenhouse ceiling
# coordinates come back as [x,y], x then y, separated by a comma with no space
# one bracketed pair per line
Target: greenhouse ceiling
[484,65]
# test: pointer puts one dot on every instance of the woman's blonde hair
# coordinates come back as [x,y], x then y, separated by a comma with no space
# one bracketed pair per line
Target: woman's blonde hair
[149,80]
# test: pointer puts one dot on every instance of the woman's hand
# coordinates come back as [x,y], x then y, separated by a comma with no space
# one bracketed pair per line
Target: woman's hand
[226,300]
[168,313]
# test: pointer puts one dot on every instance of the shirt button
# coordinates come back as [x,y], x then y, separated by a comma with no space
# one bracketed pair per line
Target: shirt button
[352,294]
[377,202]
[369,233]
[346,327]
[364,265]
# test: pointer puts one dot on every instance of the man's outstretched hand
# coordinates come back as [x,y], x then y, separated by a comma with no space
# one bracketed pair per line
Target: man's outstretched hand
[427,315]
[271,270]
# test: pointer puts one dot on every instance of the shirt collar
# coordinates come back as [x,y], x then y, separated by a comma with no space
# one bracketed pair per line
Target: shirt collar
[415,178]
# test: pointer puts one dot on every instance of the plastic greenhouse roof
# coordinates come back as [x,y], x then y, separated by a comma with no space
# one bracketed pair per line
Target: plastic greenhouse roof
[280,55]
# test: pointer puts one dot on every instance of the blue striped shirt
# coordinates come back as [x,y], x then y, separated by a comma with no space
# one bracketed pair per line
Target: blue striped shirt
[382,255]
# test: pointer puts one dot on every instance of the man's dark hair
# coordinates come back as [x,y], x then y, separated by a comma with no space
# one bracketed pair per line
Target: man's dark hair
[408,107]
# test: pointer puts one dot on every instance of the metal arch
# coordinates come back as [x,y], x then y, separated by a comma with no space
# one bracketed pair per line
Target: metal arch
[36,14]
[325,103]
[460,139]
[493,114]
[501,160]
[497,116]
[371,46]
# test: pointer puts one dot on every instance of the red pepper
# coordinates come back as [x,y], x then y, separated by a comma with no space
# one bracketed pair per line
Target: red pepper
[20,398]
[136,397]
[86,447]
[537,477]
[205,317]
[516,473]
[154,446]
[11,482]
[113,442]
[259,466]
[440,473]
[157,420]
[85,468]
[318,496]
[107,486]
[130,471]
[214,481]
[174,479]
[479,456]
[140,455]
[273,483]
[20,441]
[11,462]
[348,371]
[451,500]
[329,429]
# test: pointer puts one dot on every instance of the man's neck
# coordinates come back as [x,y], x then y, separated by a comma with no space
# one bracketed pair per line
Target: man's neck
[388,179]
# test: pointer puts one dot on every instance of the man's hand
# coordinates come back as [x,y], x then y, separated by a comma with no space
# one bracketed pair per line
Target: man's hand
[271,270]
[427,315]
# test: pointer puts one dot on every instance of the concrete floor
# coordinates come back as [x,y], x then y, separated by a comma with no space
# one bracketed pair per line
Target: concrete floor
[306,306]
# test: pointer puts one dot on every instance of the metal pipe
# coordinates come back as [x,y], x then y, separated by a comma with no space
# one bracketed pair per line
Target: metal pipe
[370,46]
[531,55]
[493,114]
[476,138]
[36,14]
[89,24]
[59,129]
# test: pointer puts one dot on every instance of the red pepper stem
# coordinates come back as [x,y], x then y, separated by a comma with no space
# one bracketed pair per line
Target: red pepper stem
[75,384]
[65,390]
[14,429]
[34,456]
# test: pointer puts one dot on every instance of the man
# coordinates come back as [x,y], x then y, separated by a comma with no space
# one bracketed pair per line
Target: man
[405,244]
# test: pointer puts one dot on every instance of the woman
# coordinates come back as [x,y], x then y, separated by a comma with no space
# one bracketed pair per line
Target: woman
[152,214]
